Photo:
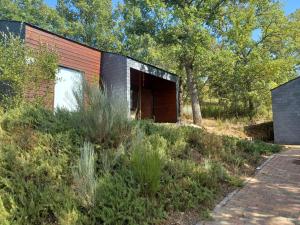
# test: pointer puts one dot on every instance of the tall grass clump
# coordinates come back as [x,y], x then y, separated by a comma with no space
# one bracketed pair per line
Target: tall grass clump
[103,117]
[147,161]
[84,175]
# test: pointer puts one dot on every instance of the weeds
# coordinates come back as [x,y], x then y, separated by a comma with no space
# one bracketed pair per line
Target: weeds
[147,162]
[84,175]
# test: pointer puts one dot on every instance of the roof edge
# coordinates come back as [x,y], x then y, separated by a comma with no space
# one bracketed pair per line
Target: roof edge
[139,61]
[285,83]
[85,45]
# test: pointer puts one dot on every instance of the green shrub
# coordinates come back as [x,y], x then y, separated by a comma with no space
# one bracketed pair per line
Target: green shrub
[216,172]
[137,177]
[172,134]
[147,161]
[103,118]
[110,159]
[184,186]
[24,71]
[34,184]
[70,217]
[119,203]
[34,116]
[84,175]
[4,215]
[258,147]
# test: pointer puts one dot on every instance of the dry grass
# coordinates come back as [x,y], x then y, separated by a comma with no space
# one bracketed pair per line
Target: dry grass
[229,127]
[226,127]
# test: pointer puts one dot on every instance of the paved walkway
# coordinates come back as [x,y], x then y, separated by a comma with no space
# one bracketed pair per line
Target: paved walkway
[272,197]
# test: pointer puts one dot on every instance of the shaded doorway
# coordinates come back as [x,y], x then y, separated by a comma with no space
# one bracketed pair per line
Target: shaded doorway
[152,97]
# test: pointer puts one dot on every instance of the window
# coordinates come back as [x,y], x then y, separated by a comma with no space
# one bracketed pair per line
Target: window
[67,80]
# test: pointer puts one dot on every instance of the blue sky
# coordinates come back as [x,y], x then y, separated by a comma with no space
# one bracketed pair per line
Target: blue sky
[289,5]
[52,3]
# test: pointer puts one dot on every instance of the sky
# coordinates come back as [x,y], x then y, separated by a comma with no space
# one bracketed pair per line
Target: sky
[289,5]
[52,3]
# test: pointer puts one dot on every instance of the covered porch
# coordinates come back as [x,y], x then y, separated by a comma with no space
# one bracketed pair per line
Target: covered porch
[152,97]
[150,92]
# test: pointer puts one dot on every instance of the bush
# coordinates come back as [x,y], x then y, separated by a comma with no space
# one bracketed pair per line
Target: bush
[137,178]
[258,147]
[119,203]
[24,71]
[184,186]
[147,161]
[34,185]
[216,172]
[33,116]
[103,118]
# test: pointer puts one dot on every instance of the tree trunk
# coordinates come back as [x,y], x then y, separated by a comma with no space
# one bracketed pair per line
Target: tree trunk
[193,92]
[251,109]
[180,102]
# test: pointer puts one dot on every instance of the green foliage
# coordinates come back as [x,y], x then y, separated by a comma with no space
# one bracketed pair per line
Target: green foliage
[258,147]
[90,22]
[158,169]
[24,71]
[185,186]
[35,12]
[103,118]
[253,65]
[34,182]
[84,175]
[233,52]
[147,157]
[44,120]
[3,214]
[119,202]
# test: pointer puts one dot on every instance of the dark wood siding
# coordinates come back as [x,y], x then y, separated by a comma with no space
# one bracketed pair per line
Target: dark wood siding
[165,107]
[71,55]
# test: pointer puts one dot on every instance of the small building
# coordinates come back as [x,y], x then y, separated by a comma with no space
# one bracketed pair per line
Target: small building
[150,92]
[286,112]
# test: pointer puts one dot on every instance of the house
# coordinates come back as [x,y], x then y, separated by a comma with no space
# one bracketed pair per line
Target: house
[150,92]
[286,112]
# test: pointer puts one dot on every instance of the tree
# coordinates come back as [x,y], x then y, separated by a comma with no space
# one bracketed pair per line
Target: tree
[32,11]
[89,21]
[256,64]
[180,27]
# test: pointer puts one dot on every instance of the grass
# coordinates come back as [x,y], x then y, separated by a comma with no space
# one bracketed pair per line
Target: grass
[142,177]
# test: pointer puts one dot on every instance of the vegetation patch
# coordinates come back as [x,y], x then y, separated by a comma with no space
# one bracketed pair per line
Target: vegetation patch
[50,174]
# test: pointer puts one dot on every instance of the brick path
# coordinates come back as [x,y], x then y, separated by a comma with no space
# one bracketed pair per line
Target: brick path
[272,197]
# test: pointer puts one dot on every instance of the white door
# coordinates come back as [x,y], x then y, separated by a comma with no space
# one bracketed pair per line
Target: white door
[67,80]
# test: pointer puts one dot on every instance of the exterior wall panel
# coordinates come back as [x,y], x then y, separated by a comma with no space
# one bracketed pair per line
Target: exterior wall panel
[71,55]
[286,113]
[114,76]
[12,27]
[165,107]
